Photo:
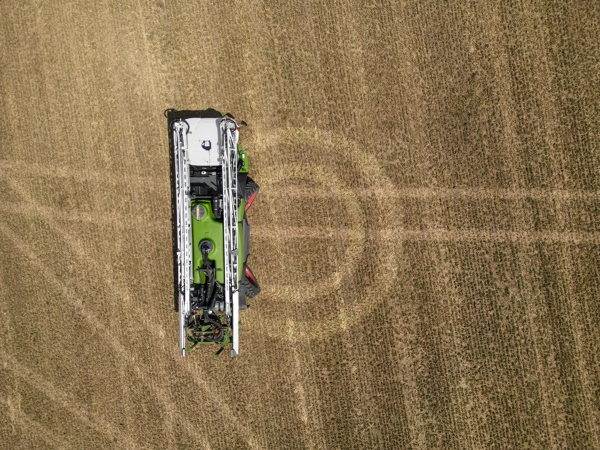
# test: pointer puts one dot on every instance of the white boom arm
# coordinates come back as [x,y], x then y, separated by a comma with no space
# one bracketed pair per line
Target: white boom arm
[184,225]
[229,163]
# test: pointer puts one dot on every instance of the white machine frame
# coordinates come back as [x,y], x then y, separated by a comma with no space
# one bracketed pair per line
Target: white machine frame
[228,157]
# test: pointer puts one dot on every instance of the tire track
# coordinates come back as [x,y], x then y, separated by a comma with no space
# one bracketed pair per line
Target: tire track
[57,396]
[574,319]
[437,235]
[367,170]
[115,220]
[427,193]
[40,382]
[41,432]
[128,358]
[74,243]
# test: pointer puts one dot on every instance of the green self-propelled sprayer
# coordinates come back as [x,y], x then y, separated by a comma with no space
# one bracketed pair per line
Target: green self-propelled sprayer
[211,194]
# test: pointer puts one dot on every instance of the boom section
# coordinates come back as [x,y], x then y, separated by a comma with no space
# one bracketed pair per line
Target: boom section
[180,130]
[229,163]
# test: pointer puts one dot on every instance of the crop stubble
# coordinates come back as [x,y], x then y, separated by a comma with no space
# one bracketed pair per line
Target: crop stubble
[426,236]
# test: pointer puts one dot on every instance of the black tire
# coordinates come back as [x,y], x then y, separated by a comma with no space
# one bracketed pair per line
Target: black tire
[251,290]
[251,189]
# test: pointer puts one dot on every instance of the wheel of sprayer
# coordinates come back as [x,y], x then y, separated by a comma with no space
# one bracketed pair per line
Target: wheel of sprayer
[250,192]
[249,283]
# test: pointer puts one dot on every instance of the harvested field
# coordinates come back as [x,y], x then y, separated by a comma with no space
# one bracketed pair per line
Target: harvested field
[427,235]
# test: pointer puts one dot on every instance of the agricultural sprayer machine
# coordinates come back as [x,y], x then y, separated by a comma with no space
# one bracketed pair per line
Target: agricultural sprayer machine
[211,195]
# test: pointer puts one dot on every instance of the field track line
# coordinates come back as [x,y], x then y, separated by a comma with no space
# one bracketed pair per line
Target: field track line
[575,315]
[434,235]
[106,177]
[301,404]
[114,219]
[126,356]
[57,396]
[18,169]
[113,341]
[45,386]
[544,354]
[425,193]
[31,426]
[456,366]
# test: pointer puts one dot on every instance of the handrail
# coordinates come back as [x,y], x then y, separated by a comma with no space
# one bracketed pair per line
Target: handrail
[229,161]
[183,217]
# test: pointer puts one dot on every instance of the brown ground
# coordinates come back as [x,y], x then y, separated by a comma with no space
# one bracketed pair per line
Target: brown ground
[427,235]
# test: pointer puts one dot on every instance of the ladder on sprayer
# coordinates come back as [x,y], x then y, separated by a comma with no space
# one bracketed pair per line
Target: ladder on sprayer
[229,161]
[184,225]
